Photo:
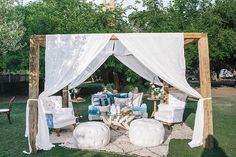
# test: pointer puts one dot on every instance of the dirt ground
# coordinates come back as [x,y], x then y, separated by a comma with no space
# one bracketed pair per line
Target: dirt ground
[216,92]
[223,91]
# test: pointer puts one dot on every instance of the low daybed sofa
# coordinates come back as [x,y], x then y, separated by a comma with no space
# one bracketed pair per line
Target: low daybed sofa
[101,104]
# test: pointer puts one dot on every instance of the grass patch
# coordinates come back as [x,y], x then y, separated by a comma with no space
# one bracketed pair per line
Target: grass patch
[13,142]
[224,115]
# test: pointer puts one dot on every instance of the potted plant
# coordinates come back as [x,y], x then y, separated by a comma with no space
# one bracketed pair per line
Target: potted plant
[75,92]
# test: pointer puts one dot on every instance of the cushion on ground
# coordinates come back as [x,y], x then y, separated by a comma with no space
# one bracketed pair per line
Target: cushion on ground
[146,132]
[92,135]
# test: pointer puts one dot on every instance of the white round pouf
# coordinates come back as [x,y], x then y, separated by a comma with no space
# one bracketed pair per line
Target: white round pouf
[146,132]
[92,135]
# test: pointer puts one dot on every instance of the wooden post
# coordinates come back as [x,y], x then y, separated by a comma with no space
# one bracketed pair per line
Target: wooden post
[65,97]
[112,5]
[166,92]
[205,85]
[112,8]
[104,8]
[33,91]
[116,81]
[113,25]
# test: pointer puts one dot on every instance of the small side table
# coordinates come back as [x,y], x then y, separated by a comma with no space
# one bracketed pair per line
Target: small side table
[77,101]
[154,104]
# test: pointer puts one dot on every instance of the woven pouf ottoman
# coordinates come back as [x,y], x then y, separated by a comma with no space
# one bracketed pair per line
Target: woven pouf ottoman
[146,132]
[91,135]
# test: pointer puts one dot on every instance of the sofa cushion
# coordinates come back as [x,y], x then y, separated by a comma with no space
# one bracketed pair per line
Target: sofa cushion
[105,101]
[49,118]
[100,99]
[136,98]
[93,110]
[116,95]
[122,101]
[177,99]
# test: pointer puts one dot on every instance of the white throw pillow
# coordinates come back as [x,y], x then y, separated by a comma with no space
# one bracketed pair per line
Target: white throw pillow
[122,101]
[136,99]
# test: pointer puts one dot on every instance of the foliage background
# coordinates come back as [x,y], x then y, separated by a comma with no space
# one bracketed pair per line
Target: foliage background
[217,18]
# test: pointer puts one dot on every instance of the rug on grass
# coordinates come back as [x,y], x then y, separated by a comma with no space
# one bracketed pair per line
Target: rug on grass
[120,143]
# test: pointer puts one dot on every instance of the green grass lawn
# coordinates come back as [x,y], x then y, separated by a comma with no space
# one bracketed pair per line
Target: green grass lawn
[13,142]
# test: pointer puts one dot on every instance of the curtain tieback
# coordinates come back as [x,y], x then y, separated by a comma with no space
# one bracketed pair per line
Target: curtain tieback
[33,99]
[208,98]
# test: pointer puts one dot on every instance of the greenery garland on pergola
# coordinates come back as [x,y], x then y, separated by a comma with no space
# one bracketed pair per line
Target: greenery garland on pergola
[205,84]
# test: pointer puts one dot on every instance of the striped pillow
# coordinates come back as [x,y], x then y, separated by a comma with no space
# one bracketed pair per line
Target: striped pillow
[100,99]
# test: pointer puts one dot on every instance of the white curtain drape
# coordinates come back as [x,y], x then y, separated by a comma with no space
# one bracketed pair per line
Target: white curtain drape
[66,57]
[135,65]
[71,59]
[163,54]
[93,66]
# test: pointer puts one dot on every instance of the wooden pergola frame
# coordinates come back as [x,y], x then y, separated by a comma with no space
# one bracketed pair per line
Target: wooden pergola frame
[205,83]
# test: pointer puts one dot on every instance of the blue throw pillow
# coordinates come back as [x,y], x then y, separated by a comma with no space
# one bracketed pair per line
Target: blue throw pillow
[111,97]
[49,118]
[123,95]
[100,99]
[105,101]
[93,111]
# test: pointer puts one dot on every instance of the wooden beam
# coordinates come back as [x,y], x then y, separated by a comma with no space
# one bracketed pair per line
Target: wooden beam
[205,89]
[33,91]
[193,35]
[65,97]
[41,39]
[42,43]
[166,92]
[189,41]
[104,7]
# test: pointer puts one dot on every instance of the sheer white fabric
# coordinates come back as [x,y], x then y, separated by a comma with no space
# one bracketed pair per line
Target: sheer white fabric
[66,57]
[163,54]
[93,66]
[135,65]
[71,59]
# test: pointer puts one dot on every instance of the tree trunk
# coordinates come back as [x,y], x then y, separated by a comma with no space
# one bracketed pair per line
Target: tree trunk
[116,81]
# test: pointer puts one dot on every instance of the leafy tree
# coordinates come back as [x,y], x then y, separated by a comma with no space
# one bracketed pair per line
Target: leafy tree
[215,18]
[11,30]
[73,16]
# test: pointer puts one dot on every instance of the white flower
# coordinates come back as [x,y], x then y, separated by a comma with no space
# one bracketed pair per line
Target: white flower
[153,86]
[75,90]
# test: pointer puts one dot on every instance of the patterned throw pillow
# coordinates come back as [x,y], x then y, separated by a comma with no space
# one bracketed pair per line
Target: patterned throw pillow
[93,110]
[49,105]
[105,101]
[117,95]
[136,99]
[100,99]
[122,101]
[121,95]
